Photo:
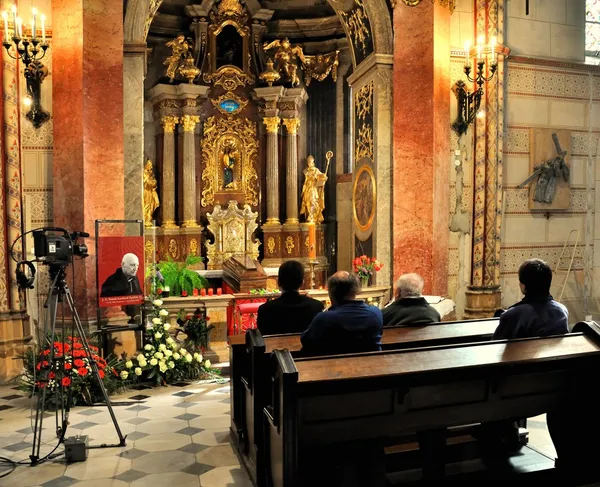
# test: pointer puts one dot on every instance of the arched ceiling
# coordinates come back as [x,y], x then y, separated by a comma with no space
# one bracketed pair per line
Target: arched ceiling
[300,20]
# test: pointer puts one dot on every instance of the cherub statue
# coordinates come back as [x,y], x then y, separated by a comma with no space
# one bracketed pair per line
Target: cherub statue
[313,192]
[180,50]
[151,201]
[285,58]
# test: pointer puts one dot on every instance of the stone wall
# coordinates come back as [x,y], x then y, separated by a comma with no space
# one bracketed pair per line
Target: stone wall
[546,86]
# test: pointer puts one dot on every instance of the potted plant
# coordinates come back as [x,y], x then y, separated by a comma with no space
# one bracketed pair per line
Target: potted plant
[180,278]
[196,328]
[364,267]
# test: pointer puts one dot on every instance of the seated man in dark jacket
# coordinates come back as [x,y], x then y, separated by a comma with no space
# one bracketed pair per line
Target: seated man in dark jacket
[410,308]
[349,326]
[537,314]
[292,312]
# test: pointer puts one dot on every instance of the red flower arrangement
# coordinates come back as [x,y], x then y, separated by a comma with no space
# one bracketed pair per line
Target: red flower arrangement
[71,367]
[364,267]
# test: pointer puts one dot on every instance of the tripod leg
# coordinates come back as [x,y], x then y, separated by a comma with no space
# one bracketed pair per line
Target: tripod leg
[41,404]
[86,346]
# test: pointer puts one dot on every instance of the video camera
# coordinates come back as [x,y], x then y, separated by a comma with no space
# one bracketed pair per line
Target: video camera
[57,246]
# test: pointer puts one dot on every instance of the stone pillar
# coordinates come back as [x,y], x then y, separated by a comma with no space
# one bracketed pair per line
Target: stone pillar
[272,126]
[134,72]
[484,296]
[340,138]
[421,111]
[87,92]
[291,177]
[189,170]
[167,193]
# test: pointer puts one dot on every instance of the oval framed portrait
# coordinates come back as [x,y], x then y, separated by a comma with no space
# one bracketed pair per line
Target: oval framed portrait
[364,194]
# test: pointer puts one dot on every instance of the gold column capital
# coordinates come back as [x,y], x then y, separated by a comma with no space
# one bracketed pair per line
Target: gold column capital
[271,123]
[189,122]
[168,123]
[291,124]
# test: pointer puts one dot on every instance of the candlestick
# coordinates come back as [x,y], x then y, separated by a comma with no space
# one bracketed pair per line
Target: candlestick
[43,17]
[14,12]
[33,13]
[6,34]
[312,241]
[210,291]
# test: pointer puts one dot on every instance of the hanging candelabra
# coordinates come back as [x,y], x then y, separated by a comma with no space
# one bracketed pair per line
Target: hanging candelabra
[30,50]
[469,102]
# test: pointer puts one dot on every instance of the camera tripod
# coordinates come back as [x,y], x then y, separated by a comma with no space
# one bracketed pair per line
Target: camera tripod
[59,291]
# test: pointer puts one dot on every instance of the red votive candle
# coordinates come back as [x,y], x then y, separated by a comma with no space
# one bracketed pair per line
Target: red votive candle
[195,292]
[202,292]
[219,291]
[210,291]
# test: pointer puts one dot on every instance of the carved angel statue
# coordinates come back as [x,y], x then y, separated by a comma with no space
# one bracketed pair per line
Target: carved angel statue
[180,50]
[285,58]
[319,66]
[313,192]
[151,201]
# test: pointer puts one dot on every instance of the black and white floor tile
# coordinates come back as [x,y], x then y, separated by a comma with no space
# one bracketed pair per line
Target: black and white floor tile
[176,435]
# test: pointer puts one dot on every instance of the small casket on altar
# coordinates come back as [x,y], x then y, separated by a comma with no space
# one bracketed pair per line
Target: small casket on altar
[242,273]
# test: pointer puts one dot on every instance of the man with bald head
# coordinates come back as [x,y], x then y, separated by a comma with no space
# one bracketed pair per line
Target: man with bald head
[348,326]
[124,281]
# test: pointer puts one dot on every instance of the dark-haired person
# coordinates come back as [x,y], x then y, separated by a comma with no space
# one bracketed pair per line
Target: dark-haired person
[291,312]
[537,314]
[348,326]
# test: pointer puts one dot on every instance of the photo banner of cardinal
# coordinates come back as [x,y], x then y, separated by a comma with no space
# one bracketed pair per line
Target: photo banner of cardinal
[120,271]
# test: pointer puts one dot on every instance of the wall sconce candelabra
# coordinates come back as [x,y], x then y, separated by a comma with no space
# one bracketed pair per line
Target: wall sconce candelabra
[469,102]
[30,50]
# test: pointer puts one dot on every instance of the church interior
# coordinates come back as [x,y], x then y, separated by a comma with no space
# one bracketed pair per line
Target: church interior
[216,140]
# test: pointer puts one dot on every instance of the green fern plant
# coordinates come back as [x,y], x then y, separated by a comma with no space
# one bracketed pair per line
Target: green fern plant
[180,278]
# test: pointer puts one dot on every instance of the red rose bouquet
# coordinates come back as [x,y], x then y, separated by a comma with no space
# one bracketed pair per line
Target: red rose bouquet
[66,365]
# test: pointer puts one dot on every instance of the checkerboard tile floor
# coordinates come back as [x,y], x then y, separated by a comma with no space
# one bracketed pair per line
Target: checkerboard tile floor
[177,435]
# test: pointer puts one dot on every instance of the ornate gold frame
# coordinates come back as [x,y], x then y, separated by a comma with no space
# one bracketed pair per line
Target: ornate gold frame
[216,129]
[364,168]
[229,96]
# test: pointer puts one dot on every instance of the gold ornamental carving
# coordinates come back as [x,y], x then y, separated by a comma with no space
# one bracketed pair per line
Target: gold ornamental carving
[285,105]
[173,248]
[272,123]
[149,251]
[189,122]
[271,245]
[166,104]
[451,4]
[168,123]
[151,200]
[307,243]
[285,58]
[363,102]
[190,102]
[242,102]
[181,59]
[313,190]
[193,246]
[289,244]
[356,22]
[291,124]
[320,66]
[230,8]
[229,157]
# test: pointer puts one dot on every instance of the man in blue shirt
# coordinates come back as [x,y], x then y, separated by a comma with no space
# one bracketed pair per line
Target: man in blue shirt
[537,314]
[349,326]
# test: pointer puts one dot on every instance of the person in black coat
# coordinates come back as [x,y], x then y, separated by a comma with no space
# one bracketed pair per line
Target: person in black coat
[124,281]
[292,312]
[410,308]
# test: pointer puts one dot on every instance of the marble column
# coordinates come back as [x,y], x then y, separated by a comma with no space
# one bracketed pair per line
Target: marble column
[272,126]
[291,181]
[87,93]
[134,70]
[189,170]
[421,110]
[340,138]
[167,193]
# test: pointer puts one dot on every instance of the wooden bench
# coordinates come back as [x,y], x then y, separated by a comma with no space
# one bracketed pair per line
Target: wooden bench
[337,399]
[250,372]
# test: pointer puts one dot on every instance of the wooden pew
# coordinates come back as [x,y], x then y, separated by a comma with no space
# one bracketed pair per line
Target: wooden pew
[250,372]
[332,400]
